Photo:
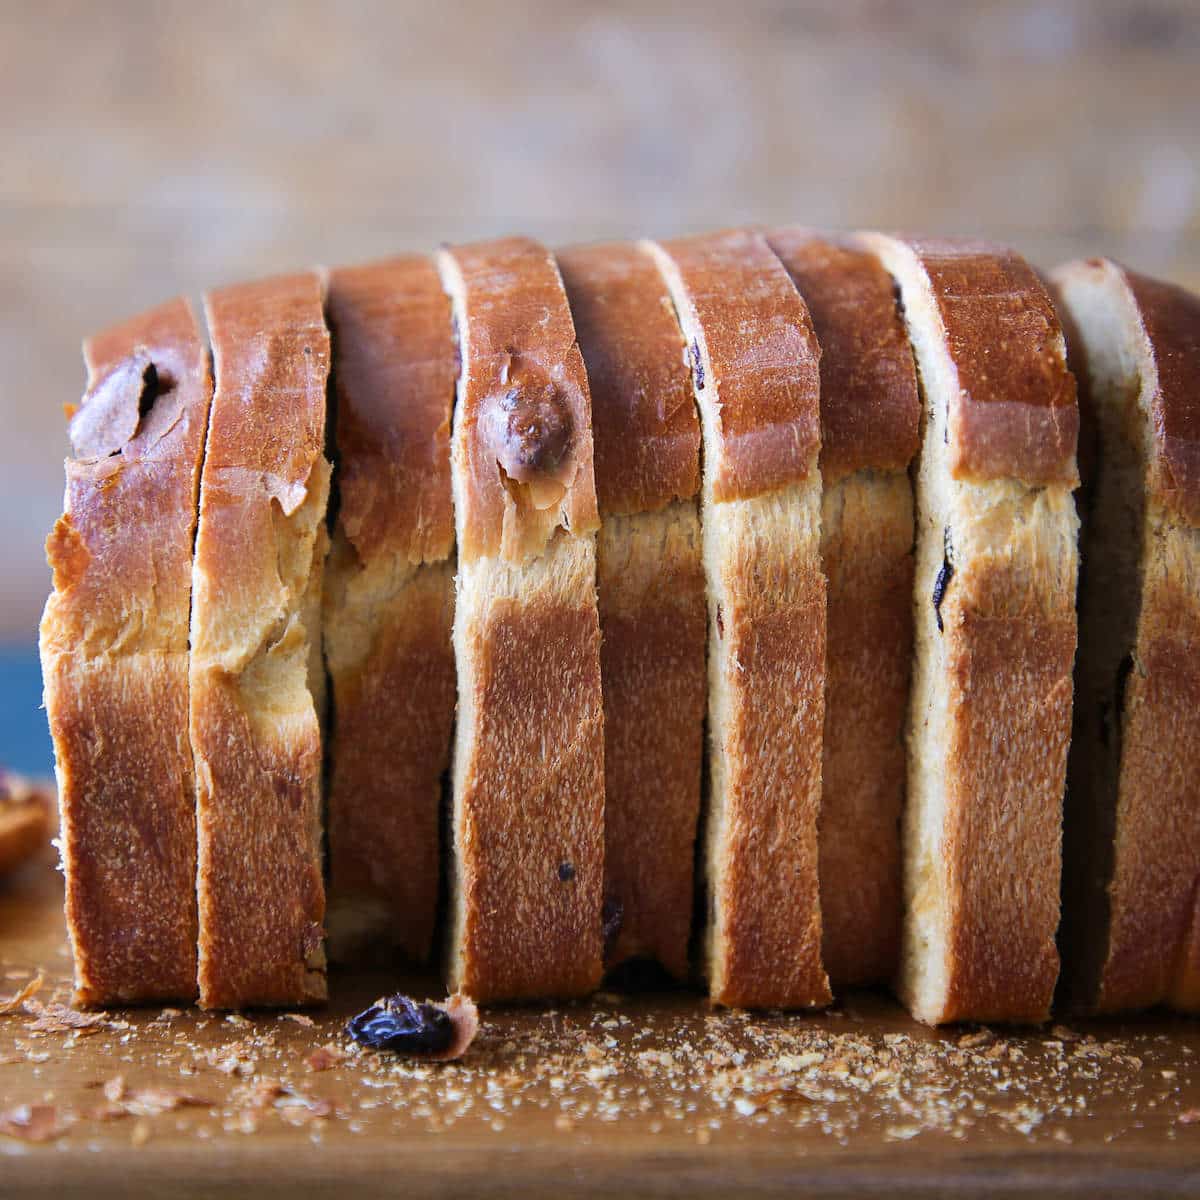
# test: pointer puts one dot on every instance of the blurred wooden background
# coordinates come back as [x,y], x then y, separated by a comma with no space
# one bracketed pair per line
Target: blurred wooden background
[151,148]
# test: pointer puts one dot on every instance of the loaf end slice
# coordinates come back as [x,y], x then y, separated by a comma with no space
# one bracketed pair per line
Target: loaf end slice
[114,649]
[1131,925]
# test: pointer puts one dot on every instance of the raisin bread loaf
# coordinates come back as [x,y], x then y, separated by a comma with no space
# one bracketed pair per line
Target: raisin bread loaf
[653,610]
[870,413]
[994,613]
[256,673]
[755,376]
[114,647]
[389,603]
[528,766]
[1131,903]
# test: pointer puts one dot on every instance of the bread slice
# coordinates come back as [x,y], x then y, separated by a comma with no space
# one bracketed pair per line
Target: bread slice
[870,415]
[114,647]
[389,603]
[994,612]
[528,809]
[255,667]
[755,376]
[651,594]
[27,813]
[1131,894]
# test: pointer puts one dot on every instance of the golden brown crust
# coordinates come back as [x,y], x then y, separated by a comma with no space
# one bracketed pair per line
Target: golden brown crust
[644,424]
[870,414]
[254,728]
[870,405]
[768,897]
[1010,681]
[27,814]
[394,375]
[523,427]
[756,381]
[1131,927]
[531,832]
[1015,414]
[762,358]
[1171,320]
[393,728]
[394,372]
[114,643]
[866,554]
[1155,884]
[529,743]
[651,595]
[653,625]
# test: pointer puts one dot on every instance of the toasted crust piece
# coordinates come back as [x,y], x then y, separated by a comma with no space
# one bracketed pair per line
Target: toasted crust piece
[995,634]
[260,547]
[870,418]
[114,646]
[529,744]
[26,820]
[651,594]
[389,603]
[1131,925]
[756,380]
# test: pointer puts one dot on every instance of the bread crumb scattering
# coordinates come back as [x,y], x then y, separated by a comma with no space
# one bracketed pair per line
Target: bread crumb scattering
[851,1077]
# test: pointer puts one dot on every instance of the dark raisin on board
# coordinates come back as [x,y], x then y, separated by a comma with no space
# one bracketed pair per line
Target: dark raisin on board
[401,1024]
[698,365]
[566,872]
[942,582]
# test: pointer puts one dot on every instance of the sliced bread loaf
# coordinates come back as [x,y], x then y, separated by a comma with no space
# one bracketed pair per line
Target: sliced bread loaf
[870,413]
[653,614]
[994,613]
[528,766]
[114,646]
[1131,871]
[389,603]
[256,674]
[755,375]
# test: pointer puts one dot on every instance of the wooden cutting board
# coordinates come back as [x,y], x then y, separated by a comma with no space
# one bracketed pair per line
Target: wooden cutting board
[625,1095]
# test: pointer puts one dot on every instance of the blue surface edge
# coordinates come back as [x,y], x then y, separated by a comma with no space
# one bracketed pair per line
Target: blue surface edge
[24,738]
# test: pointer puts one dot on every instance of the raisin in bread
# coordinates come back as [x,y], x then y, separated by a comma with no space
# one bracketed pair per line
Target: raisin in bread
[528,767]
[756,380]
[994,613]
[1131,883]
[870,413]
[389,603]
[653,612]
[256,673]
[114,647]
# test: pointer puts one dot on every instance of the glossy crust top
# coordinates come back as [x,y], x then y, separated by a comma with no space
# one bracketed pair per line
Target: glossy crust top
[393,408]
[1015,415]
[760,351]
[644,423]
[870,404]
[1171,321]
[523,404]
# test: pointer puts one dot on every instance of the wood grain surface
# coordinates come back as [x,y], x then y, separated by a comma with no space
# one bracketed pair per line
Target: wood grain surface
[149,148]
[647,1094]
